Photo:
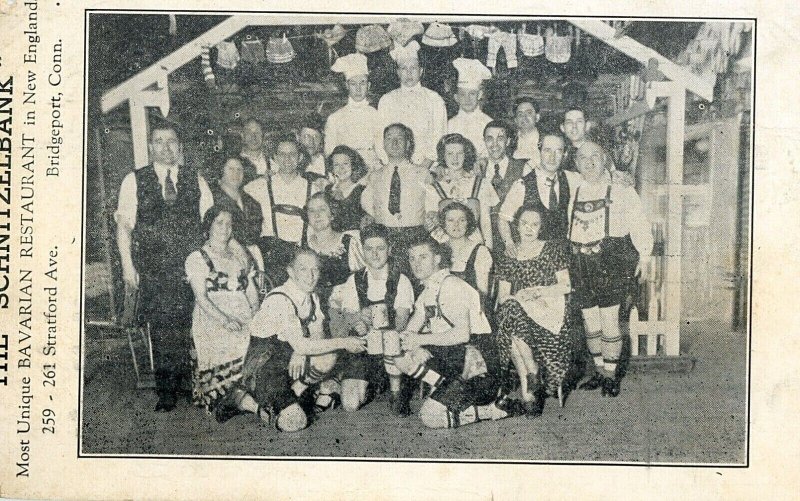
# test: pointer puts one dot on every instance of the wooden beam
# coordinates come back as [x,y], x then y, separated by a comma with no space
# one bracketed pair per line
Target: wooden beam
[166,65]
[627,45]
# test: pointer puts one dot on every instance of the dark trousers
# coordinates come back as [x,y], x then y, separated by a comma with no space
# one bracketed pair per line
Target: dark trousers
[171,359]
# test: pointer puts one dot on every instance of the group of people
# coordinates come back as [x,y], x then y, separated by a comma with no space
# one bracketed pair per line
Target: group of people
[391,251]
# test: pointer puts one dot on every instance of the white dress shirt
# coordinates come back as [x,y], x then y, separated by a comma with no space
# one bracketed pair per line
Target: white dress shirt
[413,184]
[528,147]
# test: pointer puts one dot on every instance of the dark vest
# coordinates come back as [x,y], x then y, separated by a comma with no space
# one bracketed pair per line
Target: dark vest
[513,172]
[554,223]
[165,234]
[360,278]
[246,222]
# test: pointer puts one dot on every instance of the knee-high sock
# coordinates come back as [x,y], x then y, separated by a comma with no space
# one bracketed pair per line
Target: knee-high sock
[594,332]
[430,376]
[611,340]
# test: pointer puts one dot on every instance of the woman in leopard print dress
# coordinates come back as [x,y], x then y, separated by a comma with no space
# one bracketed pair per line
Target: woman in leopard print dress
[533,330]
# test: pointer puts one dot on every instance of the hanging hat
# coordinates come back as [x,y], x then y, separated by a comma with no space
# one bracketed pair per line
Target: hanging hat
[279,50]
[372,38]
[351,65]
[557,49]
[403,30]
[334,35]
[471,72]
[439,35]
[402,53]
[531,45]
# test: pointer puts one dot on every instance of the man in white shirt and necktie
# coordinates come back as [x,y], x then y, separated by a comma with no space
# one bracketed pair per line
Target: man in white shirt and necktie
[421,109]
[158,225]
[395,194]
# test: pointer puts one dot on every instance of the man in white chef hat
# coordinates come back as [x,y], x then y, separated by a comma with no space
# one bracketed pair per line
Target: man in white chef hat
[470,120]
[357,123]
[420,109]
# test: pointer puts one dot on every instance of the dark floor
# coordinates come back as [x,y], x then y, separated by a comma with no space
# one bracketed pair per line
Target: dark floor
[660,417]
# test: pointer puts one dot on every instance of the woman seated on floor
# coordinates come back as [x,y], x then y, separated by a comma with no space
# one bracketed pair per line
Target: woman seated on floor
[221,274]
[532,325]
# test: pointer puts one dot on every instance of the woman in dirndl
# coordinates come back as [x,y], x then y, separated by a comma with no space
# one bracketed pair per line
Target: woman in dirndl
[533,328]
[339,252]
[346,170]
[457,179]
[221,274]
[471,261]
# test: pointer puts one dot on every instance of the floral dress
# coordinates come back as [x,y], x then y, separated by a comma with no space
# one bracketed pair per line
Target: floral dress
[220,352]
[552,351]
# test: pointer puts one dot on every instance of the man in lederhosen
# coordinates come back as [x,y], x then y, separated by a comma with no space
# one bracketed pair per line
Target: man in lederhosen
[611,242]
[283,195]
[447,316]
[373,298]
[288,356]
[158,225]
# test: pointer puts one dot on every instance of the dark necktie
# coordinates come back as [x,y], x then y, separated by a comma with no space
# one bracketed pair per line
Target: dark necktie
[170,193]
[497,179]
[394,193]
[553,205]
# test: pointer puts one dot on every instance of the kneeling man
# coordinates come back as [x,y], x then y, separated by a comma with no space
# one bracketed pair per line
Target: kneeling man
[376,298]
[447,316]
[288,353]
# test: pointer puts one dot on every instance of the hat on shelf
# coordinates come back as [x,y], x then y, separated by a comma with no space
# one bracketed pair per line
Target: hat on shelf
[403,30]
[279,50]
[351,65]
[471,73]
[407,52]
[439,35]
[372,38]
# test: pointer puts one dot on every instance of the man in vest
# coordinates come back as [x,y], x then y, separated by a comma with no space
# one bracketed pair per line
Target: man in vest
[501,170]
[547,188]
[373,298]
[282,196]
[158,225]
[447,316]
[288,356]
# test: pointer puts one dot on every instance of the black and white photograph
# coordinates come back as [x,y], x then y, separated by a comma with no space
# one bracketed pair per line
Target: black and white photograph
[387,237]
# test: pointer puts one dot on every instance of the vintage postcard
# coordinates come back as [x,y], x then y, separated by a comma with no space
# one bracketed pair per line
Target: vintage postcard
[396,251]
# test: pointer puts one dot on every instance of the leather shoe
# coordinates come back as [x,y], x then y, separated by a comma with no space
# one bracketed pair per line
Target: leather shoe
[593,383]
[611,387]
[399,406]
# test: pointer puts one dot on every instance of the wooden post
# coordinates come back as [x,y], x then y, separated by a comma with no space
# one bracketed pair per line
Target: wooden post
[676,129]
[139,132]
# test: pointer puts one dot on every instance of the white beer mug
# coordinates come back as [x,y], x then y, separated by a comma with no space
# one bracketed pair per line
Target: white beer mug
[380,317]
[374,342]
[391,343]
